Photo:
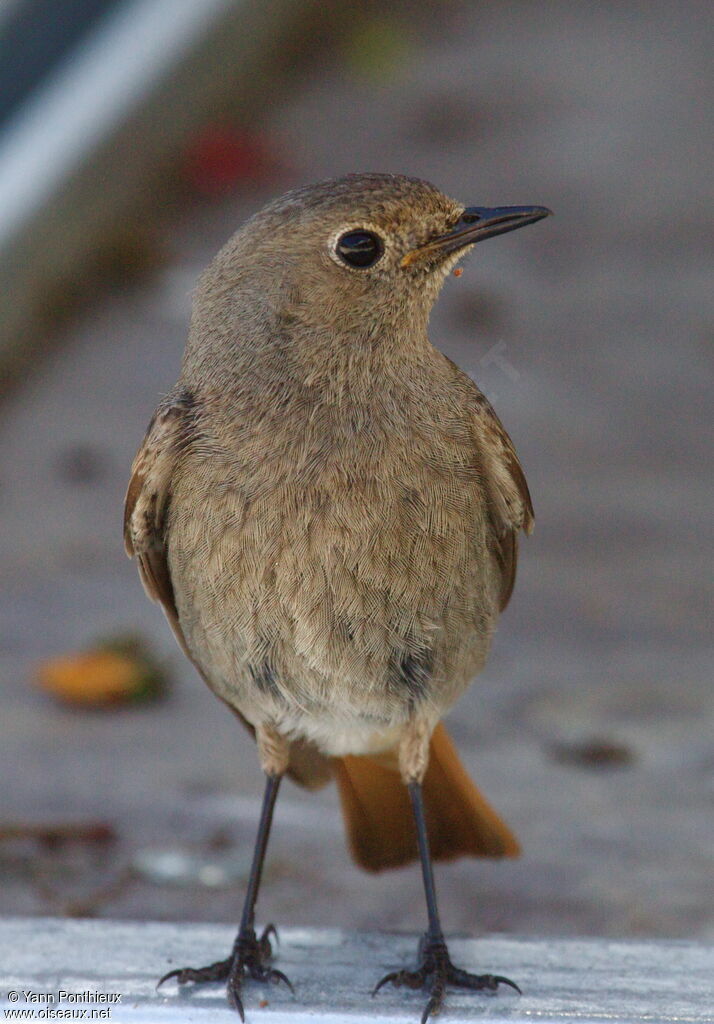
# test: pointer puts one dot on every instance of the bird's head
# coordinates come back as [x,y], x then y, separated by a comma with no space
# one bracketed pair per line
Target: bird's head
[358,252]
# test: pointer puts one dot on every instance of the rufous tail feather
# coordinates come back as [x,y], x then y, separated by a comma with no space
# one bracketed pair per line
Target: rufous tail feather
[378,815]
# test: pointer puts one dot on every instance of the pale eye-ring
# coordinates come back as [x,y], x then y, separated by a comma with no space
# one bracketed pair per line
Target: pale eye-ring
[360,248]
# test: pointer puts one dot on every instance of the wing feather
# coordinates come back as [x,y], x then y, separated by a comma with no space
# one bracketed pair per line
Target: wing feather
[147,502]
[510,505]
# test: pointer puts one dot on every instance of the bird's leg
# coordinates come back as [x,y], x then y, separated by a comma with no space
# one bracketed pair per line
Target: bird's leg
[251,954]
[435,971]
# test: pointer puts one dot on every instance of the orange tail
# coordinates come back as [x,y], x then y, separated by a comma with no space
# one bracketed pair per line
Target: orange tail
[378,814]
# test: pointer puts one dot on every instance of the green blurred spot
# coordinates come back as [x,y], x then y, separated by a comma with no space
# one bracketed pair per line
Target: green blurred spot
[378,49]
[152,678]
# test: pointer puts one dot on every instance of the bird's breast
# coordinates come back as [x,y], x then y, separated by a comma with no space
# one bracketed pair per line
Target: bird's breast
[332,568]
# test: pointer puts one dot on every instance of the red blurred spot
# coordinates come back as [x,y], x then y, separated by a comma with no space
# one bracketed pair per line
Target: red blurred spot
[458,272]
[221,157]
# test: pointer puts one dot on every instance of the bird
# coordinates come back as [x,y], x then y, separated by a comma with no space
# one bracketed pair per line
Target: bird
[328,510]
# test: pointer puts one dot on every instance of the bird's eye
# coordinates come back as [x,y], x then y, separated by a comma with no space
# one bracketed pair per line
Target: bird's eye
[359,248]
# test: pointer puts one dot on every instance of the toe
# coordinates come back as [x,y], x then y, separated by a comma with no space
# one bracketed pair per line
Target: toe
[479,982]
[184,975]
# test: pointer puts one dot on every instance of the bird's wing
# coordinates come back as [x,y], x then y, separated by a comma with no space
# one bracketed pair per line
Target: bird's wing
[510,506]
[147,501]
[145,515]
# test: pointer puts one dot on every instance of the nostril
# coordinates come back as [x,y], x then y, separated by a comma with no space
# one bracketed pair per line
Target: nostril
[470,218]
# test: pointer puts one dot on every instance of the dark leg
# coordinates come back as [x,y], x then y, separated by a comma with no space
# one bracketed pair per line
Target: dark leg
[250,954]
[436,969]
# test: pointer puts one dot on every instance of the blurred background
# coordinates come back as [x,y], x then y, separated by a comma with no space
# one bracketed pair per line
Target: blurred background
[135,137]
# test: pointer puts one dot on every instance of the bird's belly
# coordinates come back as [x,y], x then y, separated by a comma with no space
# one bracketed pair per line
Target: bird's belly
[335,612]
[337,736]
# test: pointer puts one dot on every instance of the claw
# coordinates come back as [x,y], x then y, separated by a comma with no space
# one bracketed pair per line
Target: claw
[269,930]
[235,1001]
[278,976]
[385,980]
[436,967]
[433,1006]
[500,980]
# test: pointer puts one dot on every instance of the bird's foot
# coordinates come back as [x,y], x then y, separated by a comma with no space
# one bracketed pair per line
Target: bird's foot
[250,958]
[436,972]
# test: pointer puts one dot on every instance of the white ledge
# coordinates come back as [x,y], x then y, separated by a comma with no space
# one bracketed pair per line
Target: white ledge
[583,980]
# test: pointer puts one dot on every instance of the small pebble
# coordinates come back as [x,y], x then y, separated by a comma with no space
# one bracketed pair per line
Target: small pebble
[593,753]
[180,867]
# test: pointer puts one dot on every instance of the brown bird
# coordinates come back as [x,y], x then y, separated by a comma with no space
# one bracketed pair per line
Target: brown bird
[328,510]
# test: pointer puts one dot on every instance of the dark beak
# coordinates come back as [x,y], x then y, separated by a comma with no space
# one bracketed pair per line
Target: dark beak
[477,223]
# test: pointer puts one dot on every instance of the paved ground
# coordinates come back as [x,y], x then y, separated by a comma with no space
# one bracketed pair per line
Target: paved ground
[590,334]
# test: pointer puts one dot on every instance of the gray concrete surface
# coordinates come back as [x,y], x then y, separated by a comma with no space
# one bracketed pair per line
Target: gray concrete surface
[333,972]
[591,334]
